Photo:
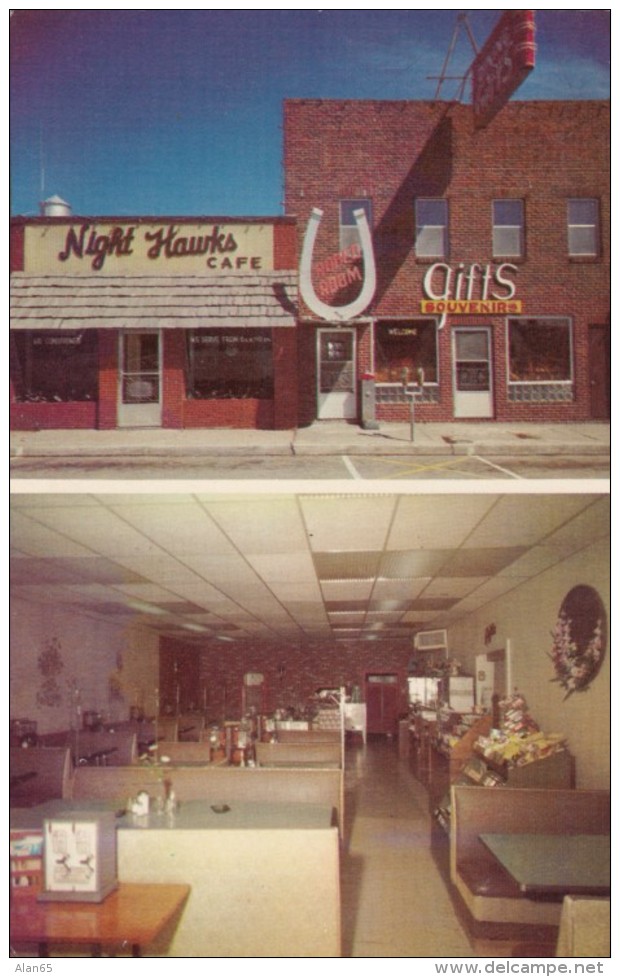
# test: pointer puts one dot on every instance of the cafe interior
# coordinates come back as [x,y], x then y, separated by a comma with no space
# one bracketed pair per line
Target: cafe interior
[298,723]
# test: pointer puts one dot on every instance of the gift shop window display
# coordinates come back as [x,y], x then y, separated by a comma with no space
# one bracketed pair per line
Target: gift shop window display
[404,353]
[540,359]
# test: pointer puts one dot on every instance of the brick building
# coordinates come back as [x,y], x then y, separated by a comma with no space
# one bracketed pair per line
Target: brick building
[474,278]
[153,322]
[491,258]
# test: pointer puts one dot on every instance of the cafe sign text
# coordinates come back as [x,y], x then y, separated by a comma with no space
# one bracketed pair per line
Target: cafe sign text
[166,248]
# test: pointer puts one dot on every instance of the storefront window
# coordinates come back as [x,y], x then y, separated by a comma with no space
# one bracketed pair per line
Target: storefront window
[540,361]
[540,350]
[405,346]
[235,363]
[55,366]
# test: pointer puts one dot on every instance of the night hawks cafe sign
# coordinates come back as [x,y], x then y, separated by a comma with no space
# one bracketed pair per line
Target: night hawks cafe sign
[150,248]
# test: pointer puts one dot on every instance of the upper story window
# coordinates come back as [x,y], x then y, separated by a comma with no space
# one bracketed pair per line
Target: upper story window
[508,229]
[583,227]
[431,227]
[348,228]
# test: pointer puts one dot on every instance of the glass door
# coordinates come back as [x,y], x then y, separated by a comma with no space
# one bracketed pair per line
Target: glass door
[140,379]
[336,395]
[473,396]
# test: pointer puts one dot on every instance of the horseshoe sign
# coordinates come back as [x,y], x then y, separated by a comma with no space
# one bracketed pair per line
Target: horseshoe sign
[341,313]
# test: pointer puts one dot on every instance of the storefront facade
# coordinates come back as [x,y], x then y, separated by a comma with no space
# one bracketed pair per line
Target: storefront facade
[147,322]
[490,259]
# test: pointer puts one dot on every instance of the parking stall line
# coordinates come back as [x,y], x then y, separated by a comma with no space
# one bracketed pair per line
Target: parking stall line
[352,470]
[498,468]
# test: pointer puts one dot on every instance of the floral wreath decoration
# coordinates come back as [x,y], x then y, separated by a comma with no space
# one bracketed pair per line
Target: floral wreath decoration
[579,640]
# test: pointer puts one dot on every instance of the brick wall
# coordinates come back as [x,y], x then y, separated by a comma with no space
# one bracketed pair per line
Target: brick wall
[393,152]
[292,674]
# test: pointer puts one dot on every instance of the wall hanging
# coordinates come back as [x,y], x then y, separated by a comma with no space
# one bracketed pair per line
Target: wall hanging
[579,639]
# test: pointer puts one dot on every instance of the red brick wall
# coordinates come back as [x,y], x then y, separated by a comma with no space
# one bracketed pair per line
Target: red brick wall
[285,246]
[173,380]
[285,379]
[305,669]
[247,413]
[393,152]
[80,415]
[108,378]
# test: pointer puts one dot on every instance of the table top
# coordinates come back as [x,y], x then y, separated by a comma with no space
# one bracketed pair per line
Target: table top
[216,815]
[578,864]
[132,913]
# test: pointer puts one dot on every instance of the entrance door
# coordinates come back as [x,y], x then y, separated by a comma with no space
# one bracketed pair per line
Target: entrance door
[139,402]
[599,366]
[382,699]
[471,348]
[336,395]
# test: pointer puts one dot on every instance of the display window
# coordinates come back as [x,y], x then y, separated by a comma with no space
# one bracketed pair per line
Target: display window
[539,349]
[54,367]
[233,363]
[403,348]
[540,360]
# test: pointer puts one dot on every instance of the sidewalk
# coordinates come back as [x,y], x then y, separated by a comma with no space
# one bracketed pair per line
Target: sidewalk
[323,438]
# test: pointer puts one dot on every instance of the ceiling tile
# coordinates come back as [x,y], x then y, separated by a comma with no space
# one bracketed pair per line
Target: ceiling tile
[513,521]
[436,522]
[410,563]
[399,589]
[346,589]
[262,526]
[179,530]
[346,566]
[452,586]
[481,562]
[349,523]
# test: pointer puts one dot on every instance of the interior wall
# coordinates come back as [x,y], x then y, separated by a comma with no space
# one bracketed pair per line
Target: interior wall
[61,660]
[525,618]
[292,672]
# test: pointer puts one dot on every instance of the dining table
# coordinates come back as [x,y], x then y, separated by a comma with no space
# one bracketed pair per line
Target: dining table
[554,865]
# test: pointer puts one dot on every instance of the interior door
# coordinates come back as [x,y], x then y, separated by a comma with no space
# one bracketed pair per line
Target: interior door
[336,395]
[139,399]
[382,699]
[473,395]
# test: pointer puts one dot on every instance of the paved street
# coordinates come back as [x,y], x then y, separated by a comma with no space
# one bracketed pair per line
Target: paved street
[313,467]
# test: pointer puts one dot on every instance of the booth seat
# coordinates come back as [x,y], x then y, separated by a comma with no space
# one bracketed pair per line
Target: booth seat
[38,775]
[585,927]
[492,900]
[299,754]
[308,735]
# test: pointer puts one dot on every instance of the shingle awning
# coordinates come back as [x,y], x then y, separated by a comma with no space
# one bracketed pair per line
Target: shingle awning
[264,300]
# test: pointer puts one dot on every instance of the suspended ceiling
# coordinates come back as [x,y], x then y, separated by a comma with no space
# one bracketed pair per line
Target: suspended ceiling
[290,567]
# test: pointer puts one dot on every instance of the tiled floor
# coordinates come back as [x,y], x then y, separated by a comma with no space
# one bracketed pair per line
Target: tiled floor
[394,901]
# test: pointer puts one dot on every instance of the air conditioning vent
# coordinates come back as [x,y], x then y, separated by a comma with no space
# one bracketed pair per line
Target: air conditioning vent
[431,640]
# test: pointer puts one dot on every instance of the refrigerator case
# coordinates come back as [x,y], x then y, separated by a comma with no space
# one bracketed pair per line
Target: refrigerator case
[424,691]
[460,693]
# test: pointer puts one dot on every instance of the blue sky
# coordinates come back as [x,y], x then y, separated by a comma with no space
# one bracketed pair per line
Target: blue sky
[147,112]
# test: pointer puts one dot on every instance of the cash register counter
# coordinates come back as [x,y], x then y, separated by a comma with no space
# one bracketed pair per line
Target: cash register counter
[264,878]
